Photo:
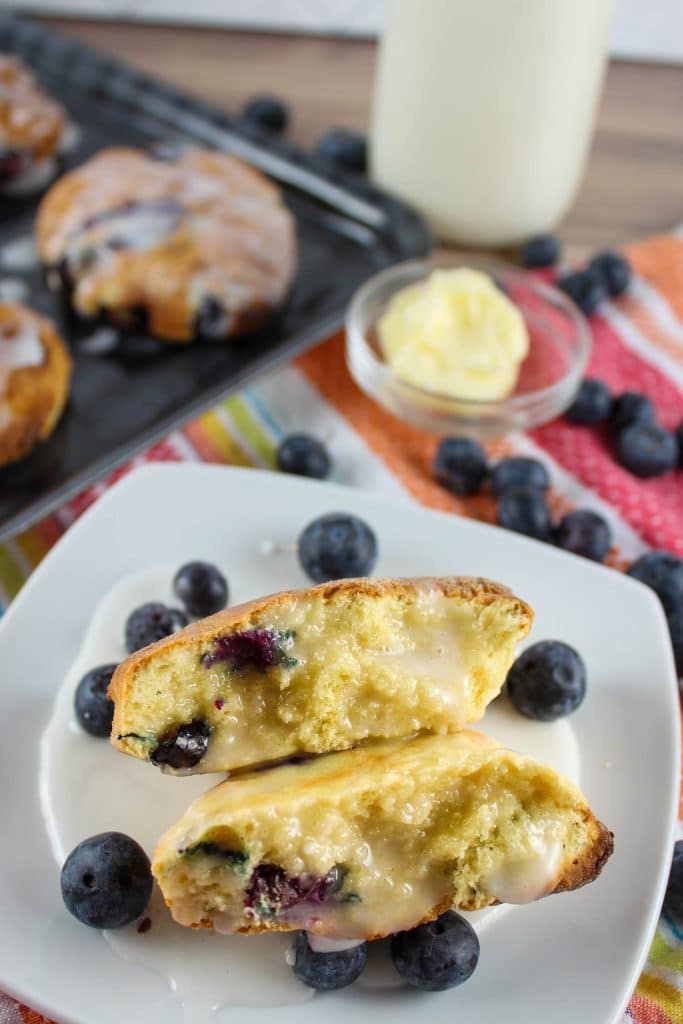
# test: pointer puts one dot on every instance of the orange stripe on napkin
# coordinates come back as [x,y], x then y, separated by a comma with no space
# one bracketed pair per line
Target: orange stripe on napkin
[660,261]
[406,451]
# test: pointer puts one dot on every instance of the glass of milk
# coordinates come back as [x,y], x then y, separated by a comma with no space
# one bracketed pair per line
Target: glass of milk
[484,110]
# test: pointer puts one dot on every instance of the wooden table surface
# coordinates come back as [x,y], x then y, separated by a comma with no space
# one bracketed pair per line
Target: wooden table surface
[633,184]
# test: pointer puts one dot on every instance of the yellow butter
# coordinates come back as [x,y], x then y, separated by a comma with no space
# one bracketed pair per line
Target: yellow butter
[455,333]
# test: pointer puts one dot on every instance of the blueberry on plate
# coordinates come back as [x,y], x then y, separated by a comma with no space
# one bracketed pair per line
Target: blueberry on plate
[345,148]
[673,898]
[630,407]
[547,681]
[647,450]
[437,955]
[303,455]
[675,621]
[663,573]
[336,546]
[584,533]
[613,270]
[268,112]
[201,588]
[460,465]
[524,510]
[107,880]
[151,622]
[592,404]
[519,471]
[585,288]
[327,971]
[542,251]
[94,709]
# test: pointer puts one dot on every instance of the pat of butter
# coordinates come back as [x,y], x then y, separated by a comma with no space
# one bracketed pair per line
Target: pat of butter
[455,333]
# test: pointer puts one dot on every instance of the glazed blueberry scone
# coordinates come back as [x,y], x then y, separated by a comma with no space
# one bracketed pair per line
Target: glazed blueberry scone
[31,124]
[317,670]
[198,245]
[35,370]
[375,840]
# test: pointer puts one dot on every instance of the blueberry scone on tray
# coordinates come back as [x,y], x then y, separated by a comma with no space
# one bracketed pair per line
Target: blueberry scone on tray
[31,124]
[199,245]
[35,370]
[375,840]
[310,671]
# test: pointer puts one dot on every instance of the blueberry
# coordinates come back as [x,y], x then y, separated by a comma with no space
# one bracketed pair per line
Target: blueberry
[437,955]
[519,471]
[646,449]
[251,648]
[94,710]
[151,622]
[673,898]
[542,251]
[183,749]
[107,881]
[460,465]
[201,588]
[336,546]
[585,288]
[630,407]
[585,533]
[675,621]
[679,438]
[212,320]
[327,971]
[663,573]
[547,681]
[303,455]
[524,510]
[346,148]
[614,271]
[267,112]
[271,891]
[592,404]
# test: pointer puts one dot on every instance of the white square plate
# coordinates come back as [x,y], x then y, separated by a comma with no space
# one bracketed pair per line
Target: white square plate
[565,959]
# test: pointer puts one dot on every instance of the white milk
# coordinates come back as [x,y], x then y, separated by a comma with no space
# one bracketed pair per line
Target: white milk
[484,110]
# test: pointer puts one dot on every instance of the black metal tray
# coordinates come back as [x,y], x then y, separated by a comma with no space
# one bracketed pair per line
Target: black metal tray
[347,230]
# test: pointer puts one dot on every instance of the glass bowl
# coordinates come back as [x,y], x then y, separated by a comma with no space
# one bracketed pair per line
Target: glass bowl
[559,349]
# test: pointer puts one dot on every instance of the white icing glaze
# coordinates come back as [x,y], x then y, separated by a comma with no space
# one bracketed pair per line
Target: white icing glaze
[19,350]
[204,970]
[530,878]
[71,137]
[102,340]
[19,254]
[139,228]
[33,179]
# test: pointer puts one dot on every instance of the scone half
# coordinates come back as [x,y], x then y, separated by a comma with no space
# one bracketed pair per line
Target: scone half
[374,840]
[311,671]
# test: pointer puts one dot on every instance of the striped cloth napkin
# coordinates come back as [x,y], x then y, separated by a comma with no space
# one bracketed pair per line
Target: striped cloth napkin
[638,345]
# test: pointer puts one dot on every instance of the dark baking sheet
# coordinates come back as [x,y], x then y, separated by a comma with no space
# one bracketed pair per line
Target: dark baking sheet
[347,231]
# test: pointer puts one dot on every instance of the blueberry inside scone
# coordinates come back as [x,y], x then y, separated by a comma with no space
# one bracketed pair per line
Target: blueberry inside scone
[375,840]
[318,670]
[196,246]
[31,124]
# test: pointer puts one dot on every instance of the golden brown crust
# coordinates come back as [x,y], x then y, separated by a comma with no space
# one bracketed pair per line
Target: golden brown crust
[238,617]
[171,238]
[32,397]
[30,122]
